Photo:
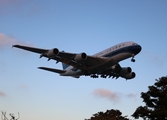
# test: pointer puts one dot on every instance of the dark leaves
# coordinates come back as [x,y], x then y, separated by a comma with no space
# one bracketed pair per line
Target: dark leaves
[156,102]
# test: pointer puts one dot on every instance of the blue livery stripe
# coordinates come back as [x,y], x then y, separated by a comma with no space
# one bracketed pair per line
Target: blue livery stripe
[65,66]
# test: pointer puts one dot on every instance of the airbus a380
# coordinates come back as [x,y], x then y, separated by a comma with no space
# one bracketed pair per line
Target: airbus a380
[104,64]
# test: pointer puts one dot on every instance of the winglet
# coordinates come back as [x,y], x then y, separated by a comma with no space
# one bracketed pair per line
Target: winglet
[13,46]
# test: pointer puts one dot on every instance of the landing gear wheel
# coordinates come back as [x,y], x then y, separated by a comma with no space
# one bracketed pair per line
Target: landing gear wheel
[133,60]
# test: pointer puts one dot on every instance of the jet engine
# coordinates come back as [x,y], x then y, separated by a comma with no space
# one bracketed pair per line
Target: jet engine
[125,70]
[52,53]
[129,76]
[81,56]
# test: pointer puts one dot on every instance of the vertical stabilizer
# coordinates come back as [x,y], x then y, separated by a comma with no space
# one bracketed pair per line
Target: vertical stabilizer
[65,66]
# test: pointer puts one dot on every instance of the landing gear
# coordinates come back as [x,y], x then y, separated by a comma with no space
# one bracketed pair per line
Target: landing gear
[103,76]
[94,76]
[133,60]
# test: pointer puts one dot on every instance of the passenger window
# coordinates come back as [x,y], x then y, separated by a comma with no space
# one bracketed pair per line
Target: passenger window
[134,44]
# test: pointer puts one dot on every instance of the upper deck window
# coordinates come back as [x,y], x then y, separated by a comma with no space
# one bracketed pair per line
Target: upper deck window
[134,43]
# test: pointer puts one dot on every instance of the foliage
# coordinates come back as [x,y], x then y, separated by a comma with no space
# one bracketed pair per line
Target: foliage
[3,116]
[156,102]
[108,115]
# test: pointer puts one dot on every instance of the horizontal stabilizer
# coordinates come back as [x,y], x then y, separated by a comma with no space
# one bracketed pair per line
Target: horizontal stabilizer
[52,70]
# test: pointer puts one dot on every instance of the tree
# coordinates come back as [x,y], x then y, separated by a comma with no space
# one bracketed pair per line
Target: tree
[108,115]
[11,115]
[156,102]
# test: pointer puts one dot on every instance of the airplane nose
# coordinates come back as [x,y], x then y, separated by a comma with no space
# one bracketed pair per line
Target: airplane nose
[138,49]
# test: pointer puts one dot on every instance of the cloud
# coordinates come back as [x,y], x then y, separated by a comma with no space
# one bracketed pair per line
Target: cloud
[112,96]
[2,94]
[132,96]
[4,40]
[20,7]
[23,87]
[103,93]
[9,5]
[9,41]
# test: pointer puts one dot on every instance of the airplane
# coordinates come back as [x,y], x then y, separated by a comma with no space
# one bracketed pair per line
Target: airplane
[102,64]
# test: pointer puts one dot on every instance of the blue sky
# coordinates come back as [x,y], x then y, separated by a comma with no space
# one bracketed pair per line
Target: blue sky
[77,26]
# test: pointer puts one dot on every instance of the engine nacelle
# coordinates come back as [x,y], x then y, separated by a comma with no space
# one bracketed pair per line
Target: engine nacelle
[125,70]
[52,53]
[130,75]
[80,57]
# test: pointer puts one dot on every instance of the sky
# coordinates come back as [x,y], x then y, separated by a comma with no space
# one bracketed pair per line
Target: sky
[77,26]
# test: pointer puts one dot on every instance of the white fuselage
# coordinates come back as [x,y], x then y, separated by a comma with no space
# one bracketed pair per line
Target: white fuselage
[118,53]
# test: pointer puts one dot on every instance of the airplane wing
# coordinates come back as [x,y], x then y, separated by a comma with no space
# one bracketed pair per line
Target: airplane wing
[52,70]
[80,61]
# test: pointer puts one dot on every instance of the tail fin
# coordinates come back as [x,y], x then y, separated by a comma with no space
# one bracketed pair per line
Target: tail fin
[65,66]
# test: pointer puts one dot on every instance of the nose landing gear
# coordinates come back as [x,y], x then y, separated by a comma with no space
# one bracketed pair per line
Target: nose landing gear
[133,60]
